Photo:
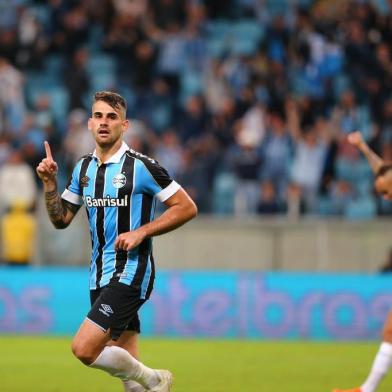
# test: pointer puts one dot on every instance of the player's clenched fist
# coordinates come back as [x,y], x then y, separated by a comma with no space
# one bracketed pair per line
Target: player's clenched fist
[355,138]
[129,240]
[47,169]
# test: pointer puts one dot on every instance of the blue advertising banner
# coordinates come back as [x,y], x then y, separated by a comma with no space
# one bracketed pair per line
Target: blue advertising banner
[207,304]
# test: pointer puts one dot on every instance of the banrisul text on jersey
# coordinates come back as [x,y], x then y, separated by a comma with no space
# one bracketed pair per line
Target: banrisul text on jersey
[107,201]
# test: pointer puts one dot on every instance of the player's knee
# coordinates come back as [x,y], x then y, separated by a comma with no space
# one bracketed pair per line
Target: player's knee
[84,353]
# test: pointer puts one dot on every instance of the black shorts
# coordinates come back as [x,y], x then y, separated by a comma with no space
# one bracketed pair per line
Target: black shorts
[115,307]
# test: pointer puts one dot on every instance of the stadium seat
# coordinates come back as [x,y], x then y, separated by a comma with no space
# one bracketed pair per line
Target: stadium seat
[326,207]
[219,29]
[244,47]
[364,187]
[59,101]
[95,39]
[98,63]
[42,13]
[191,83]
[340,83]
[382,6]
[277,7]
[361,209]
[54,65]
[248,29]
[217,47]
[103,80]
[357,171]
[223,194]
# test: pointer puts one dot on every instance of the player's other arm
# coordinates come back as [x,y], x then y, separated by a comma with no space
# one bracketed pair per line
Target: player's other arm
[181,209]
[60,211]
[374,160]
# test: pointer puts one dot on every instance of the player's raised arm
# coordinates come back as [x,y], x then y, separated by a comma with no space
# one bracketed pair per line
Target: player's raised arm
[60,211]
[374,160]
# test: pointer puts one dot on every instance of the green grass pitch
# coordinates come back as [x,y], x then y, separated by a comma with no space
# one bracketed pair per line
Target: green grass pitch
[37,364]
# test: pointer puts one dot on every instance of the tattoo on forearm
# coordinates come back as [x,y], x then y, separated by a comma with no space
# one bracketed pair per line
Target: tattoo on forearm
[69,206]
[57,208]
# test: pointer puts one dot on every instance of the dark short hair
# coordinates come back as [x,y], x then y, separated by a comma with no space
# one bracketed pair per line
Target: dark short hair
[116,101]
[384,169]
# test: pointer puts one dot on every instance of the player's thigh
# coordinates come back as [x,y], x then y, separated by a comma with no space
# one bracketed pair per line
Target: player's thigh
[116,309]
[129,340]
[89,341]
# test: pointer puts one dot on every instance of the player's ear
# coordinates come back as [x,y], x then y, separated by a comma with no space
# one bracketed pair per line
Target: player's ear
[125,125]
[89,125]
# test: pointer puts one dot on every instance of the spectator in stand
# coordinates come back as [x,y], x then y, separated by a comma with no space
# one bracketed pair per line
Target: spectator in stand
[17,182]
[12,103]
[294,202]
[268,203]
[171,60]
[193,119]
[168,152]
[219,9]
[194,180]
[156,108]
[9,45]
[32,44]
[121,41]
[135,8]
[386,130]
[308,163]
[78,141]
[348,115]
[167,13]
[77,79]
[73,29]
[222,123]
[333,59]
[276,150]
[144,64]
[216,86]
[5,148]
[244,161]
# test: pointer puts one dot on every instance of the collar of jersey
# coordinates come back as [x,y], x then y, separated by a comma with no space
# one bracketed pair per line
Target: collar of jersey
[115,158]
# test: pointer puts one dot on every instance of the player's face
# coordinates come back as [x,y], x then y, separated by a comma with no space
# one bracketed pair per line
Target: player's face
[383,186]
[107,124]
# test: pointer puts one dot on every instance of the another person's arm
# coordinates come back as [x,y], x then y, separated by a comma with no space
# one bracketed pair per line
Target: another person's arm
[60,211]
[374,160]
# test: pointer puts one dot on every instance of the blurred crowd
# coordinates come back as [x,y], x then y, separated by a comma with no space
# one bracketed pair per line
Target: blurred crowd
[247,103]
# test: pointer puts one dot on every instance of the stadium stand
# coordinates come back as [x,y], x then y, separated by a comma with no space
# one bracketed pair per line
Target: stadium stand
[290,77]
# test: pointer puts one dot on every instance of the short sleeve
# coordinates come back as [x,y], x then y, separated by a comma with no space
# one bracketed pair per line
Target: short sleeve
[72,192]
[155,180]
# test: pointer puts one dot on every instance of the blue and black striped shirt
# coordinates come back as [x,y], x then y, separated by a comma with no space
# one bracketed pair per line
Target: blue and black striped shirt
[119,196]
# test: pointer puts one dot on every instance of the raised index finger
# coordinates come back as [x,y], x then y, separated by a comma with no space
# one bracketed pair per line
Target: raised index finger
[48,151]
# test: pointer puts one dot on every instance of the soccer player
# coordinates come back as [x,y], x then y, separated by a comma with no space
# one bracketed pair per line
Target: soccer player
[118,187]
[383,185]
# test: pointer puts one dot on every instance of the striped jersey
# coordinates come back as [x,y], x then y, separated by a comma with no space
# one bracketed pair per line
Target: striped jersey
[119,196]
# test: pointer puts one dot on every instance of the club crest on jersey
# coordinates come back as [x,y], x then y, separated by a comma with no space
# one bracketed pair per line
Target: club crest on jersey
[119,180]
